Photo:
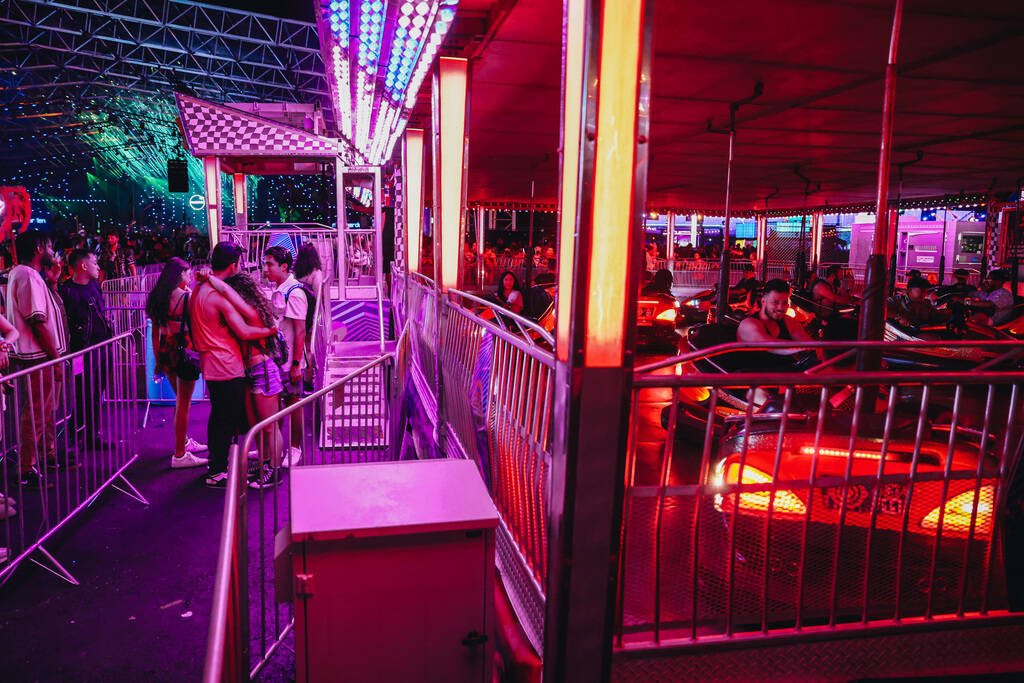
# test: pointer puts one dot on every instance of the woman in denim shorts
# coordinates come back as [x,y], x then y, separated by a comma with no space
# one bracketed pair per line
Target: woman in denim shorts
[265,387]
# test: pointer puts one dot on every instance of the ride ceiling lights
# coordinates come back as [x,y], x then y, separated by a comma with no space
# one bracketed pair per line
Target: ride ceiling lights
[374,89]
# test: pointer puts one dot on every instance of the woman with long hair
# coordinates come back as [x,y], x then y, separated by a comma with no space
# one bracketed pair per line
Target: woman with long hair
[165,307]
[509,292]
[264,377]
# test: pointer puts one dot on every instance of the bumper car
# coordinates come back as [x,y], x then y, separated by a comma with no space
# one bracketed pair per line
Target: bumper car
[657,316]
[844,542]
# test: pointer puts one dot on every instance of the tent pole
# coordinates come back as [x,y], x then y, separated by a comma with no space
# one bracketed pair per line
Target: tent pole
[872,317]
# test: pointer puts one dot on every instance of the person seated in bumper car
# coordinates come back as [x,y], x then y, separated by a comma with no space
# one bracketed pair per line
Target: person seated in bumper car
[999,300]
[770,323]
[747,287]
[915,309]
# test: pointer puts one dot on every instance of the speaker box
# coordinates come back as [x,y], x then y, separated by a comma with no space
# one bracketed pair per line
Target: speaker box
[177,175]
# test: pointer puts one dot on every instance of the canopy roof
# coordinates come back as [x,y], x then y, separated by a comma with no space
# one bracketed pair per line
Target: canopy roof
[959,101]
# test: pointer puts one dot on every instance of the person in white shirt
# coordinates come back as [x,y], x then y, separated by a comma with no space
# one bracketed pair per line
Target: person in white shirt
[42,336]
[290,305]
[992,290]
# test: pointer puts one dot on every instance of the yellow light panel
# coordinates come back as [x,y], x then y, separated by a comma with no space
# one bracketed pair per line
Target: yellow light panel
[241,200]
[611,251]
[452,82]
[571,124]
[413,167]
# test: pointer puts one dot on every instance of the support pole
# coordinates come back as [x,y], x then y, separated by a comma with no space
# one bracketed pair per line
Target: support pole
[211,183]
[723,274]
[480,236]
[528,276]
[240,189]
[670,241]
[872,316]
[894,227]
[1014,242]
[606,97]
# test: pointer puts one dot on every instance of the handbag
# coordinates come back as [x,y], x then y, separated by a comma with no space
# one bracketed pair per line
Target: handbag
[186,364]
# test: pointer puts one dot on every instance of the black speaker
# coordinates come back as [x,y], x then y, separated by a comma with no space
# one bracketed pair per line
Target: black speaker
[177,175]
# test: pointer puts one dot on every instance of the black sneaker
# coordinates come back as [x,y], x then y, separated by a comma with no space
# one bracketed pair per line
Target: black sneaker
[217,480]
[252,469]
[31,479]
[267,480]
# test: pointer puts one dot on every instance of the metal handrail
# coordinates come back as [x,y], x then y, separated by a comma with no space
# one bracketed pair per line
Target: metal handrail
[256,227]
[380,315]
[226,554]
[524,324]
[1002,344]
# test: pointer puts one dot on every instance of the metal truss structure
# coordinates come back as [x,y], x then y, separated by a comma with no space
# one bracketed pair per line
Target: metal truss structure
[59,58]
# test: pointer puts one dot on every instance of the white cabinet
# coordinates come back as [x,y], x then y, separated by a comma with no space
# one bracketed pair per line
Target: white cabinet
[393,567]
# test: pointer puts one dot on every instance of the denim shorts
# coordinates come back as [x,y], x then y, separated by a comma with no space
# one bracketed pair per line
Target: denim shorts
[265,378]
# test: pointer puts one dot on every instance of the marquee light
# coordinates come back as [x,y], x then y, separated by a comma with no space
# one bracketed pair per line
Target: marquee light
[372,90]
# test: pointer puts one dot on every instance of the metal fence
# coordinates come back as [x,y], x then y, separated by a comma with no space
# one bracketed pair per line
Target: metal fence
[767,504]
[125,301]
[255,241]
[68,433]
[249,623]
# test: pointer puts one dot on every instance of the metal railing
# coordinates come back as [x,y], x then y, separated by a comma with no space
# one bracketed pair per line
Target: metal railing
[320,342]
[498,413]
[255,240]
[769,504]
[125,301]
[246,611]
[68,432]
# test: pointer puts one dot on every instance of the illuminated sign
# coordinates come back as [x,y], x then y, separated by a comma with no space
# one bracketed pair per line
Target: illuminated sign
[196,202]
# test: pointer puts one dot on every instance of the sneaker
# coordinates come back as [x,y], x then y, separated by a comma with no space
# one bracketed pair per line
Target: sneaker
[267,480]
[293,458]
[5,553]
[193,446]
[217,480]
[31,479]
[188,459]
[252,469]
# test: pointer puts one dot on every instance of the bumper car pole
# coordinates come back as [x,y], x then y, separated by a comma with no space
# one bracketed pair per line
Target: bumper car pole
[872,319]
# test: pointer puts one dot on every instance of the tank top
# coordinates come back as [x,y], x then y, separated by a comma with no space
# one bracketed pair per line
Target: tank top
[220,357]
[784,334]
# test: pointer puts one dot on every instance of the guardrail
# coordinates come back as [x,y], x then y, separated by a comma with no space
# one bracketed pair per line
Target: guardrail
[72,423]
[254,241]
[246,603]
[846,499]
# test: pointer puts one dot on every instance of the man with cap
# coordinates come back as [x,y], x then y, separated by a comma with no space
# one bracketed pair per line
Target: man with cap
[915,309]
[993,291]
[960,288]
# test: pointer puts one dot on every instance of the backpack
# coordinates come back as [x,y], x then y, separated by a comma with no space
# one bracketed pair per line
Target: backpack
[310,303]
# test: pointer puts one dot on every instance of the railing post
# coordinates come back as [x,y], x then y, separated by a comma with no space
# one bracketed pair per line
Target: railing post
[605,129]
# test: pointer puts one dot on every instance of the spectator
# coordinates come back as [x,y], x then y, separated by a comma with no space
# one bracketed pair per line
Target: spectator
[87,325]
[216,325]
[290,307]
[116,262]
[509,293]
[264,377]
[36,314]
[308,269]
[166,306]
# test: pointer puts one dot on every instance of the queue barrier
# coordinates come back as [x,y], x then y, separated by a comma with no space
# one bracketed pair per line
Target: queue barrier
[854,501]
[249,624]
[76,419]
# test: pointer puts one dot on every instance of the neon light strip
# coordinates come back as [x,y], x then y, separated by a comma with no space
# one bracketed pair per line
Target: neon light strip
[614,161]
[413,186]
[452,82]
[571,123]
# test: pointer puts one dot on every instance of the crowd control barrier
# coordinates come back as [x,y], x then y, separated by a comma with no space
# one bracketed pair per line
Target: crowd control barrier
[71,424]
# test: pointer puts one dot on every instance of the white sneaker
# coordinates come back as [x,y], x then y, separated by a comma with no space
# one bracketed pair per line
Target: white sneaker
[4,554]
[7,508]
[193,446]
[293,458]
[188,460]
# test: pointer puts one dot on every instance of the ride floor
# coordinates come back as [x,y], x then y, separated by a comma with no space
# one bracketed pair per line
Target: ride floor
[142,610]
